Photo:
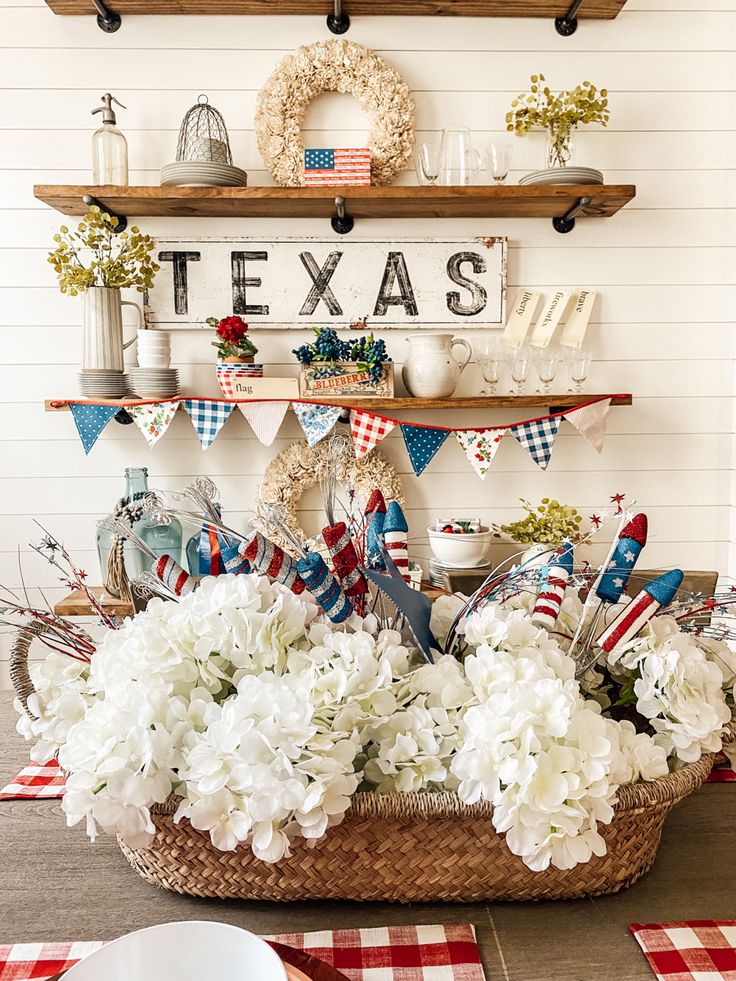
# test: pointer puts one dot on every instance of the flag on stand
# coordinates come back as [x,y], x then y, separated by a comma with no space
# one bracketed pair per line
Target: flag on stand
[323,168]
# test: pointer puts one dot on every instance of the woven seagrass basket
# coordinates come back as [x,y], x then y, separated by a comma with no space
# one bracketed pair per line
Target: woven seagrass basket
[404,847]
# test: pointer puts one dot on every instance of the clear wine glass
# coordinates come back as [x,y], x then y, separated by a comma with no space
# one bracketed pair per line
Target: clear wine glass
[578,365]
[428,162]
[546,362]
[519,369]
[490,359]
[497,159]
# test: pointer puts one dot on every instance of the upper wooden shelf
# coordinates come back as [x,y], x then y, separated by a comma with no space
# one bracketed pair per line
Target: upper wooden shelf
[598,9]
[507,201]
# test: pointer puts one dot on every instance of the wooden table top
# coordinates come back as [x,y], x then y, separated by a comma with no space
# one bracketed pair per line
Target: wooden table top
[57,886]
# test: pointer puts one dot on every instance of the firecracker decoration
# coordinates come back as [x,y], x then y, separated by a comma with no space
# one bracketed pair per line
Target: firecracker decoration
[630,542]
[345,559]
[375,516]
[234,560]
[171,574]
[552,589]
[272,561]
[395,537]
[635,615]
[324,587]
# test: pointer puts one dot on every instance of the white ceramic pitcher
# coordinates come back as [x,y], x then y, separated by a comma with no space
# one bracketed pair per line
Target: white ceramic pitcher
[102,334]
[431,370]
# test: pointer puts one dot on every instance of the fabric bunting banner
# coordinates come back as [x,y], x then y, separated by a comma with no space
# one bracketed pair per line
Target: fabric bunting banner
[479,446]
[590,421]
[316,420]
[538,437]
[153,420]
[421,444]
[264,418]
[368,430]
[208,417]
[90,420]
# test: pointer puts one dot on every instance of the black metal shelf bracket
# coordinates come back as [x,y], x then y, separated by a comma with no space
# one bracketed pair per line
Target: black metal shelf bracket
[90,201]
[337,21]
[341,221]
[568,23]
[566,222]
[107,20]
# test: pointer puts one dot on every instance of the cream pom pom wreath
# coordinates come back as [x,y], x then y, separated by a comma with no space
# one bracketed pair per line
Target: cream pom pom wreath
[334,66]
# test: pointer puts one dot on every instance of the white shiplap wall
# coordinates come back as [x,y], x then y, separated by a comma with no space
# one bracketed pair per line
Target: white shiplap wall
[664,266]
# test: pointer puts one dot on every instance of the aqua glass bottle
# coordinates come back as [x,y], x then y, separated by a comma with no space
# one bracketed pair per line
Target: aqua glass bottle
[136,488]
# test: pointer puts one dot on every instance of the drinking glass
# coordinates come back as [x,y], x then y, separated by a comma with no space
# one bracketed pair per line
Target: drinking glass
[490,359]
[497,160]
[546,362]
[578,364]
[519,359]
[459,161]
[428,162]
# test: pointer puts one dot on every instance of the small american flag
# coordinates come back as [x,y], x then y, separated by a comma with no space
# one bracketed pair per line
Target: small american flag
[323,168]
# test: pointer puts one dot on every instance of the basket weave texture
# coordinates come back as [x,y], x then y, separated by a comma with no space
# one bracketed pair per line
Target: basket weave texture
[404,847]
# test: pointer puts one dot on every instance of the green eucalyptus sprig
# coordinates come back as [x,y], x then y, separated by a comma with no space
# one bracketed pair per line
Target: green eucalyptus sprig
[95,255]
[549,523]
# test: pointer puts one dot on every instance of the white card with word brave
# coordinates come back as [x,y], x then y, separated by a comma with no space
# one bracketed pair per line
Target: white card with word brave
[576,324]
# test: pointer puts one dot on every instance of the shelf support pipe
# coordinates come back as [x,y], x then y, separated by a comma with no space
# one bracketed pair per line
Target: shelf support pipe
[566,222]
[568,23]
[341,221]
[107,20]
[122,224]
[337,21]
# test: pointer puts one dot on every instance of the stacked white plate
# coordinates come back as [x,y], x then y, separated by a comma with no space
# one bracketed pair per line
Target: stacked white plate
[154,383]
[103,384]
[563,175]
[436,568]
[202,173]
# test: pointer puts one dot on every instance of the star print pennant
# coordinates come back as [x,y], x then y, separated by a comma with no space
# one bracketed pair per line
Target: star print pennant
[264,418]
[208,417]
[422,443]
[316,420]
[90,420]
[590,421]
[480,446]
[153,420]
[538,438]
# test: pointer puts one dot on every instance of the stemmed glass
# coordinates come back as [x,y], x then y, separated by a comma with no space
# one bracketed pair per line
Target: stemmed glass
[428,162]
[497,160]
[490,359]
[578,364]
[519,360]
[545,361]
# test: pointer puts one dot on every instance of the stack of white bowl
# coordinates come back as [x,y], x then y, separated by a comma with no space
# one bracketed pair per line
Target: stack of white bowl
[154,378]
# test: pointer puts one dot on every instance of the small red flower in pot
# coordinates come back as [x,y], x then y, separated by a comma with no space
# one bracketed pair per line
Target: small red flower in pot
[233,344]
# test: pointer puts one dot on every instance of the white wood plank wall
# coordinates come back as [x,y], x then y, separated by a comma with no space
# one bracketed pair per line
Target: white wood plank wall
[665,266]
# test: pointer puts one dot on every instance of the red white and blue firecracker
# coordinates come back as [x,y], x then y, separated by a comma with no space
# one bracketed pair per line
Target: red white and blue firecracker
[656,595]
[395,537]
[234,560]
[345,559]
[324,587]
[631,541]
[552,589]
[271,560]
[173,577]
[375,515]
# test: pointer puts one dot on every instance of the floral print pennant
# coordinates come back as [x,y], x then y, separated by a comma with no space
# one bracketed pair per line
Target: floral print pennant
[153,420]
[480,446]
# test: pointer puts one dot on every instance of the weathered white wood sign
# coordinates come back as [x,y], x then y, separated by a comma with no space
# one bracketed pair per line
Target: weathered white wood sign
[304,282]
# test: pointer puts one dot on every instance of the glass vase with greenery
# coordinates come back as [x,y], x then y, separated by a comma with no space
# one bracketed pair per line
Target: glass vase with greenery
[96,255]
[559,114]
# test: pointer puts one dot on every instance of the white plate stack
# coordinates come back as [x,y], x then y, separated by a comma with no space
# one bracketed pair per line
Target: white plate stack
[103,384]
[202,173]
[154,383]
[563,175]
[436,568]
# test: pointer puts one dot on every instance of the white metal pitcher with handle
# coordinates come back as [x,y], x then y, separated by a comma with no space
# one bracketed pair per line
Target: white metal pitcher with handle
[102,333]
[431,370]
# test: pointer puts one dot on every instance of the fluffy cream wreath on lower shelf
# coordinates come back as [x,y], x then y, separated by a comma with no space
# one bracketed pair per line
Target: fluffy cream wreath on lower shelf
[300,466]
[334,66]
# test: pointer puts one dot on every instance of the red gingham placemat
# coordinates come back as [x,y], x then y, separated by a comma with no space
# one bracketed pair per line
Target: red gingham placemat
[695,950]
[402,953]
[35,781]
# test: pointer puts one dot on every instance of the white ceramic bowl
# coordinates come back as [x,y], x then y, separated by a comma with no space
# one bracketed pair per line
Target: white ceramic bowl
[460,551]
[192,950]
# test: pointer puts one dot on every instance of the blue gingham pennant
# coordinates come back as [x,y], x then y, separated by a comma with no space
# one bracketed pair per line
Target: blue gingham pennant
[538,437]
[208,418]
[316,420]
[90,420]
[421,444]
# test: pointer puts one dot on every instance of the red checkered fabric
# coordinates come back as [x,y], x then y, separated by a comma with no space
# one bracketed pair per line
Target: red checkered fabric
[402,953]
[368,430]
[695,950]
[36,781]
[722,771]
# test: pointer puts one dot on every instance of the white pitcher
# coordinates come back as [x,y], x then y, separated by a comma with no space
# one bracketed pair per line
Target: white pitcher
[102,334]
[431,370]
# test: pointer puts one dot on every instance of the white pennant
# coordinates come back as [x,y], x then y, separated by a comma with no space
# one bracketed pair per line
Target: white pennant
[153,420]
[264,418]
[590,421]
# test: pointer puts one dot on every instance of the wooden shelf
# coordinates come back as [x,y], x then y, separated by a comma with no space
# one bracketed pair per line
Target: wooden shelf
[598,9]
[507,201]
[553,402]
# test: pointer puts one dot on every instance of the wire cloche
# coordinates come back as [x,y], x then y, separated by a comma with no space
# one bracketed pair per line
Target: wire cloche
[203,135]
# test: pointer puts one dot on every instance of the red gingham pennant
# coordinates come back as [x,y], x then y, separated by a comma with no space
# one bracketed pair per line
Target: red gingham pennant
[368,430]
[402,953]
[36,781]
[694,950]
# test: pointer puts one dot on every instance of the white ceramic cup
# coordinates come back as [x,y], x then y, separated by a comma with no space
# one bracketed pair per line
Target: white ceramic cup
[154,349]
